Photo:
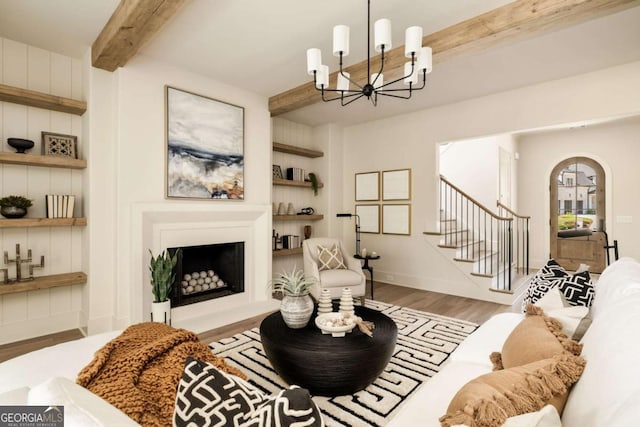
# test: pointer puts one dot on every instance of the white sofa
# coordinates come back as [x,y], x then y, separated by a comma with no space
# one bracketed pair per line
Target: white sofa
[607,394]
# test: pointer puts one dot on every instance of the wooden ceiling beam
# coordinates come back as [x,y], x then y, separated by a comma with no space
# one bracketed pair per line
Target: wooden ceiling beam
[513,21]
[132,24]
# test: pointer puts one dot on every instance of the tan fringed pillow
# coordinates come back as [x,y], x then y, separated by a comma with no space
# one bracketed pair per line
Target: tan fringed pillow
[490,399]
[330,259]
[537,337]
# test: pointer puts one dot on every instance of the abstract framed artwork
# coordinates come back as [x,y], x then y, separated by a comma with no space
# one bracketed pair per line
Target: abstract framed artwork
[57,144]
[205,147]
[369,218]
[367,186]
[396,219]
[396,184]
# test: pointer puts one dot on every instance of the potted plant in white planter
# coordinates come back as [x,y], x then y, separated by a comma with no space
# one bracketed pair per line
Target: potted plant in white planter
[162,277]
[296,306]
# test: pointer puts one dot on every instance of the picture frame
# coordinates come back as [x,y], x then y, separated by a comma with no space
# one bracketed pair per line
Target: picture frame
[369,218]
[367,186]
[277,172]
[396,184]
[396,219]
[58,144]
[204,147]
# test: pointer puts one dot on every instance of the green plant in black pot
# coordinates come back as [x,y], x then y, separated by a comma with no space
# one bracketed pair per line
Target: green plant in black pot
[14,206]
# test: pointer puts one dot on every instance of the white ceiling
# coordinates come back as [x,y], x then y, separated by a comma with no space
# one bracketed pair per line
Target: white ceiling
[261,45]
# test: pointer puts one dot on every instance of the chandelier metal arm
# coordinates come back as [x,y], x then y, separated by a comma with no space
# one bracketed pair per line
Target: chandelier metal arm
[396,96]
[348,78]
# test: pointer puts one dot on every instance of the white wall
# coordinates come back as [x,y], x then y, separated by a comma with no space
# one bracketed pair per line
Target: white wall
[411,141]
[616,146]
[137,166]
[29,314]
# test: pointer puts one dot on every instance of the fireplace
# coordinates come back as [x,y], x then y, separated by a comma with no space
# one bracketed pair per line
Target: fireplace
[207,272]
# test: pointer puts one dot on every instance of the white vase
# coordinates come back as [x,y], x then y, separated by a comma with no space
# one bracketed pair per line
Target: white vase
[296,310]
[161,312]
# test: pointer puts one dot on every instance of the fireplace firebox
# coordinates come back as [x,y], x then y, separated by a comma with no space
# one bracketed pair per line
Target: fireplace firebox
[207,271]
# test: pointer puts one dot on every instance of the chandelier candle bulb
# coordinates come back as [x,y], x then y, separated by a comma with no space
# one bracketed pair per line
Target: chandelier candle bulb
[343,81]
[425,61]
[314,60]
[377,80]
[382,37]
[412,75]
[340,40]
[413,41]
[322,77]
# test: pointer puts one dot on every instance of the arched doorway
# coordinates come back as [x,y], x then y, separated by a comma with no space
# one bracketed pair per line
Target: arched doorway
[577,202]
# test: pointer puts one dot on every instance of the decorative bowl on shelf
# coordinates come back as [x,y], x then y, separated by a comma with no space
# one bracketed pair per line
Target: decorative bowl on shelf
[21,145]
[335,324]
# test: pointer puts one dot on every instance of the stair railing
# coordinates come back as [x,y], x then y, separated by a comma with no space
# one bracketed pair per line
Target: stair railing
[521,237]
[479,235]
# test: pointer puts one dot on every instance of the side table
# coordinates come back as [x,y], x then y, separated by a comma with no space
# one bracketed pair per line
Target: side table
[367,267]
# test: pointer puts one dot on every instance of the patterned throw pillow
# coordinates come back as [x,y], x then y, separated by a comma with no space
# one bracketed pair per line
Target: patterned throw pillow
[577,289]
[209,397]
[330,259]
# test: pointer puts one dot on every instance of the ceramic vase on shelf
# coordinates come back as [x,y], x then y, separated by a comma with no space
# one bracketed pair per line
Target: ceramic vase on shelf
[346,302]
[296,310]
[324,302]
[281,209]
[161,312]
[12,212]
[290,209]
[307,232]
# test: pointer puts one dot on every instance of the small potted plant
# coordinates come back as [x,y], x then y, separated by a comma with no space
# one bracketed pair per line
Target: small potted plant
[162,278]
[296,306]
[14,206]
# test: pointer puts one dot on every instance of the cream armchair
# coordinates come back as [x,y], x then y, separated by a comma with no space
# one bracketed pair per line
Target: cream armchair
[334,280]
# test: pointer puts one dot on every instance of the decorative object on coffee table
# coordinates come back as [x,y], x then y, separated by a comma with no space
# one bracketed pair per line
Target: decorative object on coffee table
[324,302]
[346,302]
[14,206]
[162,278]
[324,365]
[21,145]
[296,306]
[335,324]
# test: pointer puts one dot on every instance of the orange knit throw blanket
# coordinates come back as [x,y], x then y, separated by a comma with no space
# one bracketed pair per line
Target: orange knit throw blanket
[138,371]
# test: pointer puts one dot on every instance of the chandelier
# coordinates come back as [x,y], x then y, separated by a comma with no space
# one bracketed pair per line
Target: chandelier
[420,63]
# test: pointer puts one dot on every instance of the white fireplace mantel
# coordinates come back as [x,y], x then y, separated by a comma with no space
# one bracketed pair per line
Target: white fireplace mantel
[157,226]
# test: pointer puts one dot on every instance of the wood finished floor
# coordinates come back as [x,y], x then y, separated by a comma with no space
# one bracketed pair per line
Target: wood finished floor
[442,304]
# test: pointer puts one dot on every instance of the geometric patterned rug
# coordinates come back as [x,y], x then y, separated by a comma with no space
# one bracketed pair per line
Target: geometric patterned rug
[424,343]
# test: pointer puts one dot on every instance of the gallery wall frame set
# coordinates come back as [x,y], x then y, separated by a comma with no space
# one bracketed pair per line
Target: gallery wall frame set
[396,219]
[204,147]
[369,218]
[396,184]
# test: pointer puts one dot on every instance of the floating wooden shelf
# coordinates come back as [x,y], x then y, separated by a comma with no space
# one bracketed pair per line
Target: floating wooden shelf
[290,183]
[287,252]
[44,282]
[298,151]
[297,217]
[32,98]
[44,161]
[42,222]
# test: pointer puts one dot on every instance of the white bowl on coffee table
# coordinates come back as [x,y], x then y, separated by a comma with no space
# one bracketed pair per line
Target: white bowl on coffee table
[325,324]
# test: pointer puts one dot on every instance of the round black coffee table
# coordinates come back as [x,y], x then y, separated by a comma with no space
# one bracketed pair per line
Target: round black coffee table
[326,365]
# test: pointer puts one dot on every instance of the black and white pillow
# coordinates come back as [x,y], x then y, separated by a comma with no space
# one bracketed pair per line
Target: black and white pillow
[577,289]
[209,397]
[542,281]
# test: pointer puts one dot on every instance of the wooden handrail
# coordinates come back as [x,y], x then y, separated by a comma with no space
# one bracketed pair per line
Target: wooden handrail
[500,205]
[477,203]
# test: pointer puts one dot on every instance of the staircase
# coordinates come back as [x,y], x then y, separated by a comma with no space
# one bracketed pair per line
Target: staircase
[495,246]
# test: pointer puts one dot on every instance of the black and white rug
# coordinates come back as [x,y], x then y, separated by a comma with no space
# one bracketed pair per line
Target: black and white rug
[424,343]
